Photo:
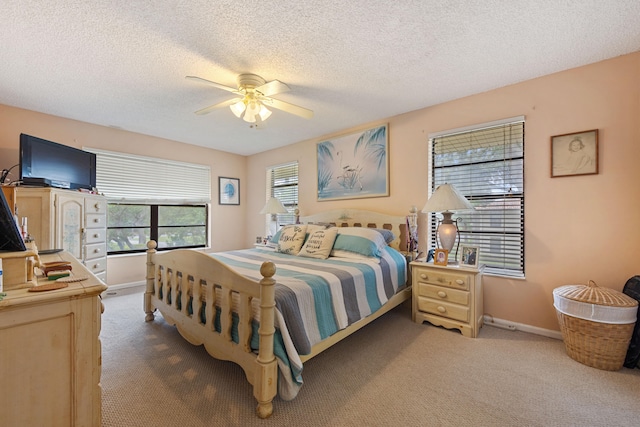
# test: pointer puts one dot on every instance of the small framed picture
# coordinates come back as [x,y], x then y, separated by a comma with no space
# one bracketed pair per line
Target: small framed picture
[574,154]
[469,256]
[440,257]
[228,191]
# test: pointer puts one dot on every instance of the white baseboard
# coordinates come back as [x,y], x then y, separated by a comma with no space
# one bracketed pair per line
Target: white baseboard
[514,326]
[124,289]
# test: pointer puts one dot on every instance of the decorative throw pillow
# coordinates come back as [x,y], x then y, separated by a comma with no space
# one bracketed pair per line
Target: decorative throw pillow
[291,239]
[314,227]
[319,243]
[360,241]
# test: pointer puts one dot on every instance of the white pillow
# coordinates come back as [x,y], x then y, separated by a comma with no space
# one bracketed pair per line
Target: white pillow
[291,239]
[319,243]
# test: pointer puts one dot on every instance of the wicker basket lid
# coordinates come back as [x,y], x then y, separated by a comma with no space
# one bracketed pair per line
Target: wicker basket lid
[593,294]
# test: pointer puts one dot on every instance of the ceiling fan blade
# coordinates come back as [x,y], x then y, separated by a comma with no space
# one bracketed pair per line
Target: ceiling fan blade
[210,108]
[272,88]
[289,108]
[214,84]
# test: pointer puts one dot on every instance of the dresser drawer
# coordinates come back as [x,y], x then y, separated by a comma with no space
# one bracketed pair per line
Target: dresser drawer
[97,265]
[443,294]
[96,250]
[444,309]
[95,235]
[442,278]
[95,206]
[96,221]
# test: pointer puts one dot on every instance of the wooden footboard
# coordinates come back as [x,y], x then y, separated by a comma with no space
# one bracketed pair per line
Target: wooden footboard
[188,286]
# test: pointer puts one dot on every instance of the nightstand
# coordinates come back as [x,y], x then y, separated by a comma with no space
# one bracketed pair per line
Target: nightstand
[448,296]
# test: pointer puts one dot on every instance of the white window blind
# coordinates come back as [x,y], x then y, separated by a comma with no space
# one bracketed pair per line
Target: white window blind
[486,164]
[149,180]
[282,183]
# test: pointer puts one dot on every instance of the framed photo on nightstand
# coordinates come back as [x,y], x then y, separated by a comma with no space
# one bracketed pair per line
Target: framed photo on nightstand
[440,257]
[469,256]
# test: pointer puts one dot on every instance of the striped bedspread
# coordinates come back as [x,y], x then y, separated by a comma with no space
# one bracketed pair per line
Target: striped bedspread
[317,298]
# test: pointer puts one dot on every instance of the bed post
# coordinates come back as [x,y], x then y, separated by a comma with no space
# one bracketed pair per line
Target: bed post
[265,387]
[151,267]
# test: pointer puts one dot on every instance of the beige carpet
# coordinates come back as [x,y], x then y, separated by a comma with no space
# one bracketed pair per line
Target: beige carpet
[391,373]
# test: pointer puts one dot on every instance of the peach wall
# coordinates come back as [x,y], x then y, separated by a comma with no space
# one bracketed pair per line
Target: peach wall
[567,239]
[131,268]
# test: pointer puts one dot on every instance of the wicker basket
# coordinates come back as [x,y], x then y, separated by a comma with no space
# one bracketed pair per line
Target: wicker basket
[596,324]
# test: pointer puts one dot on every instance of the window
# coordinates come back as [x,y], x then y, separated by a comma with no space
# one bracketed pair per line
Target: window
[486,164]
[130,227]
[282,183]
[153,199]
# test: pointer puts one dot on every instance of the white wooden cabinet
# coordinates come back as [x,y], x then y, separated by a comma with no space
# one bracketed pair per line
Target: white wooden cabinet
[69,220]
[448,296]
[51,354]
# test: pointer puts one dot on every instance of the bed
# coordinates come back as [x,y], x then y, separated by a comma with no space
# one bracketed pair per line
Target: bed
[269,310]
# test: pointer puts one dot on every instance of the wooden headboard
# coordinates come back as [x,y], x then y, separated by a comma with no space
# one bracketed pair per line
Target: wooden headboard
[362,218]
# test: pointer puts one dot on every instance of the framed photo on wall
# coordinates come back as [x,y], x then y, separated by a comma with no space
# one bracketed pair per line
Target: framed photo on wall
[354,166]
[470,255]
[574,154]
[228,191]
[441,257]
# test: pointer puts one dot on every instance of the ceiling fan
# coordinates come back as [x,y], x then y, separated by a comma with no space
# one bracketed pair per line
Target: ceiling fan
[253,96]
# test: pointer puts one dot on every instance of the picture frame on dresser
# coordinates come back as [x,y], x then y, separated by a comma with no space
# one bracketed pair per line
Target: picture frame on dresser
[441,257]
[470,255]
[10,237]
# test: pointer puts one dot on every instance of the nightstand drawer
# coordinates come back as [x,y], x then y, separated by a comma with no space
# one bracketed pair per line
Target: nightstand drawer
[444,309]
[441,278]
[444,294]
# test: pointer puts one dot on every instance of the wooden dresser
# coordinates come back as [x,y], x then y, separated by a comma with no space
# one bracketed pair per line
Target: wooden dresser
[50,353]
[67,219]
[448,296]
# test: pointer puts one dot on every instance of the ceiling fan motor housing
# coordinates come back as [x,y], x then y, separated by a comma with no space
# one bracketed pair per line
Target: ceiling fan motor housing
[250,81]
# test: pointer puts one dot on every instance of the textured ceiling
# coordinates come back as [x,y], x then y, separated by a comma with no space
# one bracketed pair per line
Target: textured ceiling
[123,64]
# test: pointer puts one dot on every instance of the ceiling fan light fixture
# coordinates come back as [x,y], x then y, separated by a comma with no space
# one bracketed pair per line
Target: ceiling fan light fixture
[264,112]
[238,108]
[253,110]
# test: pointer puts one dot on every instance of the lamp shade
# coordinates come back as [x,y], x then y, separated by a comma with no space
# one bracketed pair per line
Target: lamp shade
[446,198]
[274,206]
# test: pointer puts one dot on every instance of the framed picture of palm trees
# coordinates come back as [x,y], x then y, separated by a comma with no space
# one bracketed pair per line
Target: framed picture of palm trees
[354,165]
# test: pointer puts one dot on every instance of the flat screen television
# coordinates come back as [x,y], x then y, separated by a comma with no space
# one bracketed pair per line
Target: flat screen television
[47,163]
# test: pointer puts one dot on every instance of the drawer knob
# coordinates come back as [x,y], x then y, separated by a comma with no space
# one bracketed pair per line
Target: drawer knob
[442,294]
[460,281]
[96,251]
[96,220]
[441,309]
[95,236]
[97,206]
[423,276]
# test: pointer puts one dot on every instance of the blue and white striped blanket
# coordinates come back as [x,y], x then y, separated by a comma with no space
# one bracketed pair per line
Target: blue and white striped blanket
[317,298]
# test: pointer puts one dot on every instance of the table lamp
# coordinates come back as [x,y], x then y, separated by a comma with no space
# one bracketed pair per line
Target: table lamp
[273,208]
[445,199]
